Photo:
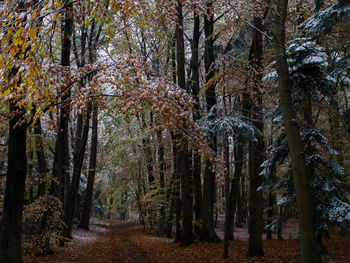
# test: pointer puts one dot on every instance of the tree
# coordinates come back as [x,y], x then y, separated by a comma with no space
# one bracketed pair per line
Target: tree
[209,189]
[11,227]
[256,150]
[60,180]
[85,218]
[184,157]
[307,239]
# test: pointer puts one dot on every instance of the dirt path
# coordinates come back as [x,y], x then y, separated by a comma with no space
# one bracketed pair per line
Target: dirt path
[126,234]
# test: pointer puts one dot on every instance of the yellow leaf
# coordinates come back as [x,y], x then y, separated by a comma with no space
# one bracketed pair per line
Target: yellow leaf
[32,34]
[13,50]
[4,39]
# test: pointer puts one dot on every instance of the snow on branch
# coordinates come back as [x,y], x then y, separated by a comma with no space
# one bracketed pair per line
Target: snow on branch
[322,22]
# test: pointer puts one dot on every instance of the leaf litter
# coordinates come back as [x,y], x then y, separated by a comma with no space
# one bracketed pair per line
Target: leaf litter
[124,242]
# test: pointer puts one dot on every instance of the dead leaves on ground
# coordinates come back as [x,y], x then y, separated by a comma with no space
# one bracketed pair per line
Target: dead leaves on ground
[124,242]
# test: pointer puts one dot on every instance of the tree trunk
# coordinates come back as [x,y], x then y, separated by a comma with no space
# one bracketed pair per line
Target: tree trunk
[280,223]
[208,233]
[197,186]
[42,164]
[30,172]
[270,214]
[239,159]
[11,226]
[85,218]
[162,168]
[61,155]
[307,239]
[255,224]
[186,200]
[184,156]
[256,152]
[79,152]
[228,201]
[176,191]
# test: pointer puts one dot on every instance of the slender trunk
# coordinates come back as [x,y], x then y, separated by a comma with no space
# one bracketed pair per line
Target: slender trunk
[139,197]
[42,164]
[172,193]
[30,172]
[162,168]
[174,207]
[85,218]
[197,186]
[280,223]
[170,219]
[176,191]
[228,203]
[233,201]
[308,245]
[79,152]
[243,200]
[239,159]
[270,214]
[92,47]
[149,165]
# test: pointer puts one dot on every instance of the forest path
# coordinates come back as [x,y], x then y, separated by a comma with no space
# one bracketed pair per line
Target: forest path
[125,235]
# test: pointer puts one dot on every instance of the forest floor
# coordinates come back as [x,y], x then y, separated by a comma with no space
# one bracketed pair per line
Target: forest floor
[124,242]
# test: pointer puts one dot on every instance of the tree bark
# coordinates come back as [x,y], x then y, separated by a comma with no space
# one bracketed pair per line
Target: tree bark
[176,190]
[162,168]
[184,156]
[85,218]
[228,202]
[196,174]
[78,159]
[209,189]
[256,151]
[306,219]
[239,159]
[11,226]
[42,164]
[61,155]
[270,214]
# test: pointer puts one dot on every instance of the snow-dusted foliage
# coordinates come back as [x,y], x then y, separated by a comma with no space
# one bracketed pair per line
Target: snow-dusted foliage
[315,73]
[216,122]
[278,152]
[322,22]
[315,136]
[330,196]
[307,62]
[341,67]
